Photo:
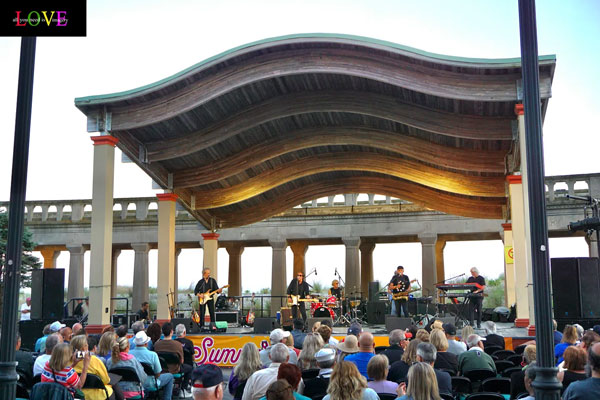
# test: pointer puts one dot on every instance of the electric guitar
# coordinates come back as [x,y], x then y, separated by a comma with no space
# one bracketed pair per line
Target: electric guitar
[294,299]
[250,317]
[204,297]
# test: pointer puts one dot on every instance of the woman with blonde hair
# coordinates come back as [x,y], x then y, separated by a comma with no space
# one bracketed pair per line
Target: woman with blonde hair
[569,339]
[377,370]
[96,367]
[325,333]
[107,340]
[422,335]
[316,326]
[120,357]
[422,384]
[248,364]
[444,358]
[399,369]
[312,344]
[59,368]
[347,383]
[467,330]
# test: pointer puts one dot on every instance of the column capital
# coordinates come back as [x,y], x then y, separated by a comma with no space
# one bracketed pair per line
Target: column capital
[116,252]
[519,109]
[75,248]
[140,247]
[234,249]
[278,244]
[211,236]
[428,239]
[366,246]
[167,196]
[104,140]
[507,226]
[299,247]
[514,179]
[351,241]
[178,251]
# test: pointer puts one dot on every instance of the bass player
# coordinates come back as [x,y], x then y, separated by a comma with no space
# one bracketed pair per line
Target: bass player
[204,285]
[299,289]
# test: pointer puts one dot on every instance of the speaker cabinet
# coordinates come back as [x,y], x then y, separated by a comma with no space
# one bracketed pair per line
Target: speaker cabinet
[392,323]
[190,326]
[376,312]
[575,288]
[31,331]
[265,325]
[373,291]
[47,293]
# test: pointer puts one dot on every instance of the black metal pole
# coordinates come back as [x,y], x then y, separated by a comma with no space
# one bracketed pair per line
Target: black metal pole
[546,384]
[8,374]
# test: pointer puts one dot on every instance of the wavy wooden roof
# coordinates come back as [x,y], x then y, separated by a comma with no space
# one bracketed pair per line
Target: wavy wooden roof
[260,128]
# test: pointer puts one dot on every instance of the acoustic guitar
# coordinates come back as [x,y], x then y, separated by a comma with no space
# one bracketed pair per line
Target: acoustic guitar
[204,297]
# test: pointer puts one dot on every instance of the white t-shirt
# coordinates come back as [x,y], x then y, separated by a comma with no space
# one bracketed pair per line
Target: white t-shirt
[40,362]
[25,316]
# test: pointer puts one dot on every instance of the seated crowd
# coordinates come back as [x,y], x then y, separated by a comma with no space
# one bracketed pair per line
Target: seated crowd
[418,364]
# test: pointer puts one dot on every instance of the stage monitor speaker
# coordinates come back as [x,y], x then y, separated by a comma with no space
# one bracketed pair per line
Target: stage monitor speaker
[31,330]
[575,287]
[48,293]
[374,291]
[265,325]
[286,317]
[376,312]
[311,321]
[392,323]
[190,326]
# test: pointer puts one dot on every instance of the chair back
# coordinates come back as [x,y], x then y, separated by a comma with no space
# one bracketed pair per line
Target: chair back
[450,372]
[503,354]
[509,371]
[447,396]
[501,365]
[93,381]
[491,349]
[127,374]
[22,392]
[36,379]
[497,385]
[310,373]
[50,390]
[478,375]
[149,370]
[379,349]
[516,359]
[387,396]
[522,395]
[166,359]
[520,349]
[484,396]
[461,385]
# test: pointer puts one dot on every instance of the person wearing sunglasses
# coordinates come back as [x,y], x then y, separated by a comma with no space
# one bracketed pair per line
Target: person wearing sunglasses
[297,291]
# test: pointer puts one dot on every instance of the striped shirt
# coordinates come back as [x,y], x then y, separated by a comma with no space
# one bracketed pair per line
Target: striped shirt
[67,376]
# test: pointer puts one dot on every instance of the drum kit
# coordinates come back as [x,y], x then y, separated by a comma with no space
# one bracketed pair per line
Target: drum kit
[334,308]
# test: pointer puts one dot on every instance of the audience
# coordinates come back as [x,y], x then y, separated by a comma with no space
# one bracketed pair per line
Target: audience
[78,329]
[66,333]
[289,342]
[491,337]
[316,327]
[207,382]
[154,332]
[517,379]
[355,329]
[475,357]
[105,345]
[348,383]
[454,346]
[145,356]
[40,346]
[589,338]
[40,361]
[327,322]
[59,368]
[422,335]
[248,364]
[347,347]
[528,380]
[426,353]
[136,327]
[95,366]
[292,374]
[168,345]
[120,357]
[298,333]
[377,370]
[444,359]
[579,330]
[557,335]
[398,343]
[259,381]
[399,370]
[280,390]
[312,344]
[422,384]
[318,386]
[121,331]
[24,359]
[325,333]
[365,353]
[277,336]
[569,339]
[590,387]
[188,345]
[574,366]
[467,330]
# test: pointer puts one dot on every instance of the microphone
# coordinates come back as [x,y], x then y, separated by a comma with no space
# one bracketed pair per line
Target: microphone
[316,272]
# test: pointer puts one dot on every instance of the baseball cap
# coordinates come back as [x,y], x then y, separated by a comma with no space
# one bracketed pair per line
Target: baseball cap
[141,338]
[326,354]
[449,328]
[56,326]
[354,329]
[206,376]
[278,334]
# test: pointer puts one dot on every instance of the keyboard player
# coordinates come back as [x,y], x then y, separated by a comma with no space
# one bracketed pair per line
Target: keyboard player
[476,297]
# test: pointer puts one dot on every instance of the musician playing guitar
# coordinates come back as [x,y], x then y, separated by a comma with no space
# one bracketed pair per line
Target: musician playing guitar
[400,283]
[207,284]
[476,297]
[298,287]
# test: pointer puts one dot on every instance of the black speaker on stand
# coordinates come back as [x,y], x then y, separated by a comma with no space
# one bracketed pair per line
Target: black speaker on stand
[47,293]
[373,291]
[575,288]
[376,312]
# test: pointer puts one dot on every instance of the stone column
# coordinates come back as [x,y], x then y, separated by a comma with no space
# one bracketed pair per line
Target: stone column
[235,268]
[429,265]
[211,246]
[352,275]
[141,275]
[520,250]
[101,237]
[75,286]
[510,296]
[50,254]
[278,278]
[113,280]
[176,277]
[366,266]
[440,245]
[299,249]
[166,254]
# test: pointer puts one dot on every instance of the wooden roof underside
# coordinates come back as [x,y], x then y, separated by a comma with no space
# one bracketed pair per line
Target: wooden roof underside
[264,127]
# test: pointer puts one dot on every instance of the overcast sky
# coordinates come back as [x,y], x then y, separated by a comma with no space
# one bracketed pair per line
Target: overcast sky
[133,43]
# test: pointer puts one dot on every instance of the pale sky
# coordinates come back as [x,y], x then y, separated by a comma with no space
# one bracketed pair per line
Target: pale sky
[134,43]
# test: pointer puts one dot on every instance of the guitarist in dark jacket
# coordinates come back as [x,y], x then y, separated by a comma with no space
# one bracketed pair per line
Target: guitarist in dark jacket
[299,287]
[207,284]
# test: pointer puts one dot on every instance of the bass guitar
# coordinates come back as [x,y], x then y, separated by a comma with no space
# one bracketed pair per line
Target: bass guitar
[204,297]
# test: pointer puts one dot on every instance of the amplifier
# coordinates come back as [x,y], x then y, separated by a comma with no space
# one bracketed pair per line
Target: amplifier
[231,317]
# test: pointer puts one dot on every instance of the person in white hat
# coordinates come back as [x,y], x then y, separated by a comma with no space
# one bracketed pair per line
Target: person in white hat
[277,336]
[145,356]
[318,386]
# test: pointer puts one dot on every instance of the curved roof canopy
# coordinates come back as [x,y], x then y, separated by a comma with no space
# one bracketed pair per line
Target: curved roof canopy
[258,129]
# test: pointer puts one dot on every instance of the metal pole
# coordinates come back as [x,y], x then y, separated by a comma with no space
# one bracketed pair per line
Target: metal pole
[546,384]
[8,374]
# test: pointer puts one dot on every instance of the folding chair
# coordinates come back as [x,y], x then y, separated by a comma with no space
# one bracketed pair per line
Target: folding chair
[516,359]
[167,359]
[509,371]
[496,385]
[491,349]
[461,386]
[503,354]
[94,382]
[151,391]
[477,376]
[501,365]
[485,396]
[50,390]
[128,374]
